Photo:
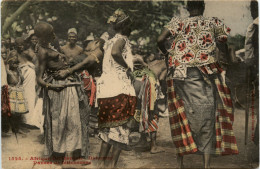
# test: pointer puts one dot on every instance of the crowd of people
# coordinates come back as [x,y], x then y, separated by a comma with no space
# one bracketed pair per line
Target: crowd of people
[69,89]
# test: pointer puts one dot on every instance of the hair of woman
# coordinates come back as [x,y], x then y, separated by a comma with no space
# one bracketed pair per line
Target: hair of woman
[198,5]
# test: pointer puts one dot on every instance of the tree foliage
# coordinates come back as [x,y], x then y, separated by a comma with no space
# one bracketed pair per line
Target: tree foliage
[90,16]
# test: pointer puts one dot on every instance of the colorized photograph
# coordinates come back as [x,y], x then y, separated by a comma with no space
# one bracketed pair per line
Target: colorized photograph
[129,84]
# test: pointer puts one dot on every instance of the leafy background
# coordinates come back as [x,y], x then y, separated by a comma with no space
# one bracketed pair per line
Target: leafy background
[91,16]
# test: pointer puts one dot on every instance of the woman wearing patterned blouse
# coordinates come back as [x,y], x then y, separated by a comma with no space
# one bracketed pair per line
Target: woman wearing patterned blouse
[199,103]
[115,91]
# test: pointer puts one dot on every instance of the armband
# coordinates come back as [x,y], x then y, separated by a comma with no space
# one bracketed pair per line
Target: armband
[68,70]
[47,85]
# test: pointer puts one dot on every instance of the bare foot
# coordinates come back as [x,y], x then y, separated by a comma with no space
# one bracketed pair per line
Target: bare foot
[22,134]
[180,162]
[25,130]
[155,150]
[6,134]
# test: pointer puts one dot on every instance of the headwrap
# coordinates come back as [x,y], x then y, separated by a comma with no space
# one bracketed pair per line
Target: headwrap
[29,35]
[12,56]
[72,30]
[118,17]
[90,37]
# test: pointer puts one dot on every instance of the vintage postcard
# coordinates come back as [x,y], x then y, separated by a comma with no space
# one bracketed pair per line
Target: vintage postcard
[129,84]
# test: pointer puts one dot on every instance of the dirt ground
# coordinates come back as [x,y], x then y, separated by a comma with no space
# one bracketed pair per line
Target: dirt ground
[22,154]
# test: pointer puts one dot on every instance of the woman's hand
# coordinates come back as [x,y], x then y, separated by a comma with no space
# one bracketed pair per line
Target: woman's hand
[62,74]
[139,59]
[223,76]
[7,69]
[130,75]
[63,57]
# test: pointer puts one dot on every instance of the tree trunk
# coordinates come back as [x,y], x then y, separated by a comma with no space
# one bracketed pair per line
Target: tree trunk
[11,19]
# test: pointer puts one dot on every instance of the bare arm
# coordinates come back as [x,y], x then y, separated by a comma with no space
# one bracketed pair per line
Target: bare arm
[41,67]
[29,54]
[223,54]
[88,61]
[160,42]
[62,49]
[161,39]
[117,52]
[139,59]
[81,50]
[11,77]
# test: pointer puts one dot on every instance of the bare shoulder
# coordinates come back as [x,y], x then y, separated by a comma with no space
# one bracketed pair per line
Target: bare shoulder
[120,43]
[100,54]
[96,55]
[42,52]
[64,47]
[29,52]
[79,48]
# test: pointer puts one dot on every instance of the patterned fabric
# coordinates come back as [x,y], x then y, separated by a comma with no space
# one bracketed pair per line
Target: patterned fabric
[142,72]
[198,97]
[118,16]
[89,86]
[113,73]
[66,119]
[5,101]
[18,102]
[145,111]
[119,134]
[115,111]
[225,138]
[194,42]
[180,128]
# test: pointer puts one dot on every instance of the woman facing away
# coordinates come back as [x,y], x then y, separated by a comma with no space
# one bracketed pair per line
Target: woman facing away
[199,103]
[115,91]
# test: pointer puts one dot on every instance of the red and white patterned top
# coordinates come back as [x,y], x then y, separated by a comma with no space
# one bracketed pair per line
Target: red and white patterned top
[195,40]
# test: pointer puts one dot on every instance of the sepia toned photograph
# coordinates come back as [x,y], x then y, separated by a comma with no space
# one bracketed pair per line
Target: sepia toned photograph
[129,84]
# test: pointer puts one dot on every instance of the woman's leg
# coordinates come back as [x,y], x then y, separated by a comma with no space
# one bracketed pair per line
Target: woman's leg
[142,143]
[154,148]
[104,150]
[206,160]
[180,161]
[115,156]
[153,141]
[16,121]
[6,132]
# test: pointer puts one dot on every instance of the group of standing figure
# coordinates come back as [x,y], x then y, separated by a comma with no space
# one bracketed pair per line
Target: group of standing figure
[199,102]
